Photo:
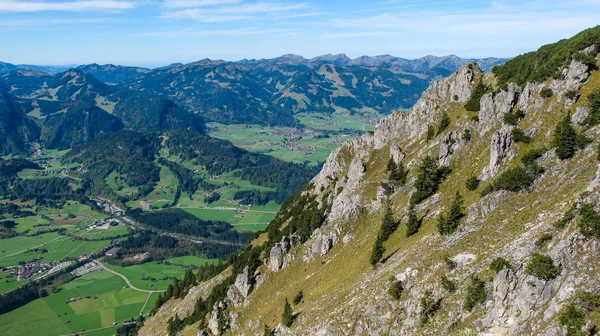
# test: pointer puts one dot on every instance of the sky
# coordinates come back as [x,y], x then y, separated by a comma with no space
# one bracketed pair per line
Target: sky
[159,32]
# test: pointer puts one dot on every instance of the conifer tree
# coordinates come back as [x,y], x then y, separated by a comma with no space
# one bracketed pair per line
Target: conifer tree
[448,223]
[377,252]
[413,225]
[565,139]
[430,133]
[287,318]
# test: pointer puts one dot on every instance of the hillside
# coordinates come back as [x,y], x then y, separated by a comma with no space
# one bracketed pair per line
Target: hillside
[476,213]
[16,129]
[110,73]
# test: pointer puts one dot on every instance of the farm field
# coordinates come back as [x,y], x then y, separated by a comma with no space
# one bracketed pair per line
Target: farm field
[322,134]
[108,302]
[156,275]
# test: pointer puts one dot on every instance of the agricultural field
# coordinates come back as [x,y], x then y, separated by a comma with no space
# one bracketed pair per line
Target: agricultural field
[103,299]
[158,275]
[311,144]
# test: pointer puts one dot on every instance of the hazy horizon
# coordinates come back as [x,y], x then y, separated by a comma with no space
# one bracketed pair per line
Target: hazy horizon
[159,32]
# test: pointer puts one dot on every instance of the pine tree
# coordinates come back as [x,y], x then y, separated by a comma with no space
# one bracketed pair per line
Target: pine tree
[287,318]
[448,223]
[413,225]
[430,133]
[388,225]
[444,123]
[377,252]
[565,139]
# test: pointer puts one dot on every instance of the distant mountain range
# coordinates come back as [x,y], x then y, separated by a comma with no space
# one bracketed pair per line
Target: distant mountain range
[272,91]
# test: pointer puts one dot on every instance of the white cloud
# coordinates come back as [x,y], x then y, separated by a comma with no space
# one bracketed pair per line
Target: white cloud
[225,32]
[83,5]
[197,3]
[233,13]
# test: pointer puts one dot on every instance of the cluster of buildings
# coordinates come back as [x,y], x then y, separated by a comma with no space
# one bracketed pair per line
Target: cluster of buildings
[293,133]
[85,269]
[295,146]
[103,224]
[107,206]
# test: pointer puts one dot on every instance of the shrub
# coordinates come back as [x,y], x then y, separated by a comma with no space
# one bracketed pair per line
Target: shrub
[448,284]
[565,139]
[428,180]
[589,301]
[475,293]
[589,221]
[566,218]
[541,266]
[513,118]
[528,160]
[543,240]
[474,102]
[287,317]
[573,319]
[268,331]
[413,225]
[472,183]
[429,306]
[518,135]
[298,298]
[455,97]
[444,123]
[467,135]
[498,264]
[571,94]
[546,93]
[448,222]
[514,179]
[396,289]
[449,262]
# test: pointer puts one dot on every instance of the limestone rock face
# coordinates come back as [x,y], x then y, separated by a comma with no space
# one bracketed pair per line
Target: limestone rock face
[493,107]
[396,153]
[449,143]
[499,148]
[277,256]
[530,96]
[323,242]
[581,113]
[457,88]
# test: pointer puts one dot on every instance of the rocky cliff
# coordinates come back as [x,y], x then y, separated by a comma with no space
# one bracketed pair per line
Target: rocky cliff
[519,261]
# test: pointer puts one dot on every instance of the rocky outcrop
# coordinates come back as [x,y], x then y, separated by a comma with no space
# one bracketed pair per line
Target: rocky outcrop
[494,106]
[241,288]
[449,143]
[278,257]
[530,97]
[499,149]
[323,242]
[457,88]
[581,113]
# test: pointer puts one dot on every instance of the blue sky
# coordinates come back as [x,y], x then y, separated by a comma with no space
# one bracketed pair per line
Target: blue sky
[157,32]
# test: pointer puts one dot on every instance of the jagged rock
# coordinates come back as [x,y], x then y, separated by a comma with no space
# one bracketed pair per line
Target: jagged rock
[244,282]
[396,153]
[529,96]
[348,205]
[277,256]
[499,147]
[581,113]
[213,321]
[486,205]
[449,143]
[457,88]
[494,106]
[577,73]
[323,243]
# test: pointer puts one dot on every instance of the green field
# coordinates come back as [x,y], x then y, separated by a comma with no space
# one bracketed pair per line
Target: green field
[327,132]
[52,315]
[157,275]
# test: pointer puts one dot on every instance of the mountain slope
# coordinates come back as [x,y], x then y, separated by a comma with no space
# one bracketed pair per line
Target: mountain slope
[110,73]
[376,253]
[17,131]
[7,67]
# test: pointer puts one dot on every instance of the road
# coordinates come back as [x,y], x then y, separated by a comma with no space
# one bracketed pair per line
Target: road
[92,330]
[127,280]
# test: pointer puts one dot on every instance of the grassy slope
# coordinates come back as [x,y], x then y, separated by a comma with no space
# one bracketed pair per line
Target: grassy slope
[342,275]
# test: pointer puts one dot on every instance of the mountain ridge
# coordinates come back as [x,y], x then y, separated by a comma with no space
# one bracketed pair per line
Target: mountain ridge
[393,237]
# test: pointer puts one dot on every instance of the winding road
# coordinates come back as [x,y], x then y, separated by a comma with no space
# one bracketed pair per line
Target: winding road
[127,280]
